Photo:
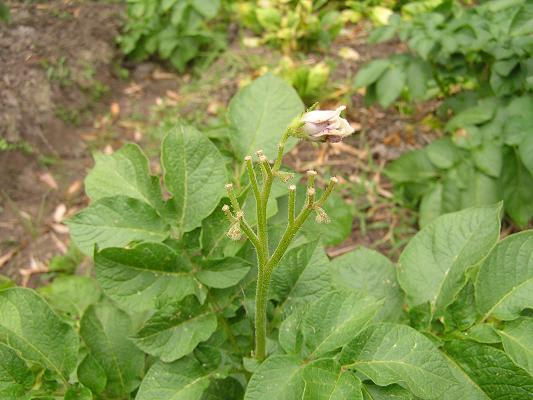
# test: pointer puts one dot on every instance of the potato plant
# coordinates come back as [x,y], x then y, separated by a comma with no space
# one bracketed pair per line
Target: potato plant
[478,60]
[205,291]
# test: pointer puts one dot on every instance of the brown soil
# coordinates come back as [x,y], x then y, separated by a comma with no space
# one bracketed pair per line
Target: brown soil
[58,58]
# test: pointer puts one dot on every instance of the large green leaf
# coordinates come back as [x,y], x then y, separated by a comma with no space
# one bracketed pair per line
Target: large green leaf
[176,329]
[466,387]
[504,285]
[517,339]
[194,173]
[30,327]
[91,374]
[260,113]
[138,276]
[392,392]
[223,273]
[491,370]
[516,181]
[71,294]
[432,267]
[106,330]
[389,353]
[335,319]
[184,379]
[124,173]
[16,379]
[390,85]
[285,377]
[369,73]
[371,273]
[302,276]
[116,221]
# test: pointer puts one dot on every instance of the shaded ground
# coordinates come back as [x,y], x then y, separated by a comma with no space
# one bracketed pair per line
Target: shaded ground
[65,93]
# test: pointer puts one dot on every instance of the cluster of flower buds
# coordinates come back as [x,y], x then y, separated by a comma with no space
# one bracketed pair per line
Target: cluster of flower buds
[314,125]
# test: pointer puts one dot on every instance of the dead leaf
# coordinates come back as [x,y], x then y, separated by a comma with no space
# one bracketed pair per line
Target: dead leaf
[60,228]
[59,212]
[74,187]
[160,75]
[349,54]
[393,139]
[6,257]
[171,94]
[62,247]
[115,109]
[49,180]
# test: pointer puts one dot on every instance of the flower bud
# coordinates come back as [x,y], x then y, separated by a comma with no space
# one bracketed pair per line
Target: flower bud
[321,216]
[326,125]
[234,232]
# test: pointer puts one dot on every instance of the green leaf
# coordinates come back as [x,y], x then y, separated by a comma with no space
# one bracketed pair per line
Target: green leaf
[30,327]
[371,72]
[214,239]
[390,85]
[105,330]
[392,392]
[334,319]
[224,389]
[208,8]
[443,153]
[260,113]
[517,339]
[176,329]
[78,392]
[290,335]
[285,377]
[389,353]
[418,75]
[138,276]
[16,379]
[473,116]
[491,370]
[413,166]
[466,387]
[484,333]
[92,375]
[526,152]
[194,173]
[516,182]
[71,295]
[302,276]
[338,229]
[184,379]
[488,159]
[324,379]
[430,205]
[223,273]
[432,267]
[372,274]
[124,173]
[504,285]
[116,221]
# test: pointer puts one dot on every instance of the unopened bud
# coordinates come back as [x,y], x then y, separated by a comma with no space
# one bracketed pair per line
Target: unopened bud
[321,216]
[234,232]
[284,176]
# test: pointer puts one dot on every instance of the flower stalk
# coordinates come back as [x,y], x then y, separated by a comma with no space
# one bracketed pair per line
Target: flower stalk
[267,262]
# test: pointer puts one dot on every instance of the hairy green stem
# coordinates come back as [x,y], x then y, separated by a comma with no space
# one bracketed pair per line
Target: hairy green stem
[265,262]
